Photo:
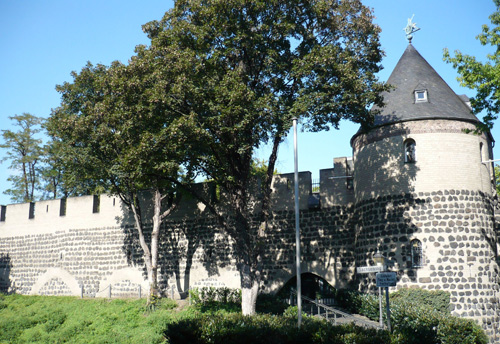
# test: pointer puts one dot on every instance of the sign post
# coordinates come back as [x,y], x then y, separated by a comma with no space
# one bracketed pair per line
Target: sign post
[297,224]
[386,280]
[373,269]
[369,269]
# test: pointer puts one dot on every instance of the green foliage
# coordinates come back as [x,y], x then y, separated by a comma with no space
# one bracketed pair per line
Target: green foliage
[453,330]
[438,300]
[24,151]
[358,303]
[271,304]
[112,137]
[43,319]
[211,294]
[417,316]
[46,319]
[237,328]
[216,300]
[240,71]
[417,323]
[414,323]
[484,77]
[218,81]
[153,302]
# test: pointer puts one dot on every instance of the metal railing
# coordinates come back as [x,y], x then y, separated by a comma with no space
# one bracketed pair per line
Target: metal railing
[334,315]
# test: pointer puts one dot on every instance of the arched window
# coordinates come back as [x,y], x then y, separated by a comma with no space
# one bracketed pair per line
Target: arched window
[417,253]
[410,150]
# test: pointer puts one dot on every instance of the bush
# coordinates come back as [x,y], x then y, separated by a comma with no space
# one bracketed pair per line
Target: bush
[413,323]
[358,303]
[236,328]
[436,299]
[455,330]
[211,294]
[417,316]
[270,304]
[216,300]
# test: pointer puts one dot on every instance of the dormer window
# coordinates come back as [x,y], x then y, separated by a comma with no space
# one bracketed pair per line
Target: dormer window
[421,96]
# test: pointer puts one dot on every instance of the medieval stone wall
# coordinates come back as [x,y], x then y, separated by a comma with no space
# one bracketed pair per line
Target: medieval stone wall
[194,252]
[456,229]
[448,156]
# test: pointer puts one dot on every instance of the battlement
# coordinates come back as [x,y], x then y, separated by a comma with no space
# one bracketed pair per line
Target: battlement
[333,188]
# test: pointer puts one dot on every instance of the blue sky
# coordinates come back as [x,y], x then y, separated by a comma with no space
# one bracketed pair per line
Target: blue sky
[43,41]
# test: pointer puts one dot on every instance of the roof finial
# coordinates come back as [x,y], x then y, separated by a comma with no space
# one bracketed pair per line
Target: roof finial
[410,28]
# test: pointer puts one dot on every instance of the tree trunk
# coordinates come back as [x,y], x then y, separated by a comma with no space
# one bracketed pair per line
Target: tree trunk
[154,243]
[151,272]
[249,290]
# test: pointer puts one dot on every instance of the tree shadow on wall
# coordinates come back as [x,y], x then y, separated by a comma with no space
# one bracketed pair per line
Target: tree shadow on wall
[388,211]
[5,267]
[189,239]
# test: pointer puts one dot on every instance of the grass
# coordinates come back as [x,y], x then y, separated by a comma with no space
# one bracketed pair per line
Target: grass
[44,319]
[52,319]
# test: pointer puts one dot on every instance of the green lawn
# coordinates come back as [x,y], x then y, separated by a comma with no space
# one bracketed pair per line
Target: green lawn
[51,319]
[42,319]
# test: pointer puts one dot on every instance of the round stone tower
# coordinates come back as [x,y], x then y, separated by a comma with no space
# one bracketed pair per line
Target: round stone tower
[424,192]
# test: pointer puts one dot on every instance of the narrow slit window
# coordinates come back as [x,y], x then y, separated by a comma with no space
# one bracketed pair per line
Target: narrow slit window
[96,204]
[32,210]
[417,254]
[410,151]
[62,207]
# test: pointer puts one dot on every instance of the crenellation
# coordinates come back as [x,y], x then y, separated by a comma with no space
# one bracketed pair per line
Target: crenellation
[415,189]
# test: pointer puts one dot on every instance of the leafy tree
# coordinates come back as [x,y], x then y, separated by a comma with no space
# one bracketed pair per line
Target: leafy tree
[484,77]
[24,151]
[59,177]
[238,72]
[113,138]
[51,172]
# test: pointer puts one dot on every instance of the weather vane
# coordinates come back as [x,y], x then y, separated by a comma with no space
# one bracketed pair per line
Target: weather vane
[410,28]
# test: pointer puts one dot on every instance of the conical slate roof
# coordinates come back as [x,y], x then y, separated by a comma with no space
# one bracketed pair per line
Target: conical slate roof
[413,73]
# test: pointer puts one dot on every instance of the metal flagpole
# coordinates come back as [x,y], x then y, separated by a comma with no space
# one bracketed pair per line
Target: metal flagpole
[297,228]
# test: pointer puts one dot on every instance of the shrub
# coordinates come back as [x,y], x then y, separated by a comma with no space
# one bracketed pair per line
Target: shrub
[454,330]
[211,294]
[358,303]
[270,304]
[414,324]
[216,300]
[236,328]
[417,316]
[436,299]
[423,324]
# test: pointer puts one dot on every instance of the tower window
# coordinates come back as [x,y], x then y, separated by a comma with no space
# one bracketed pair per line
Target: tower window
[417,253]
[421,96]
[410,151]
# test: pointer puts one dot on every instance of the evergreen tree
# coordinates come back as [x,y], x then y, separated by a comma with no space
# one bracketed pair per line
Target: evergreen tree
[24,151]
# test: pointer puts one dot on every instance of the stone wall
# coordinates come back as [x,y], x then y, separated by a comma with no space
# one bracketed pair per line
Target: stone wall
[83,251]
[456,229]
[194,252]
[447,157]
